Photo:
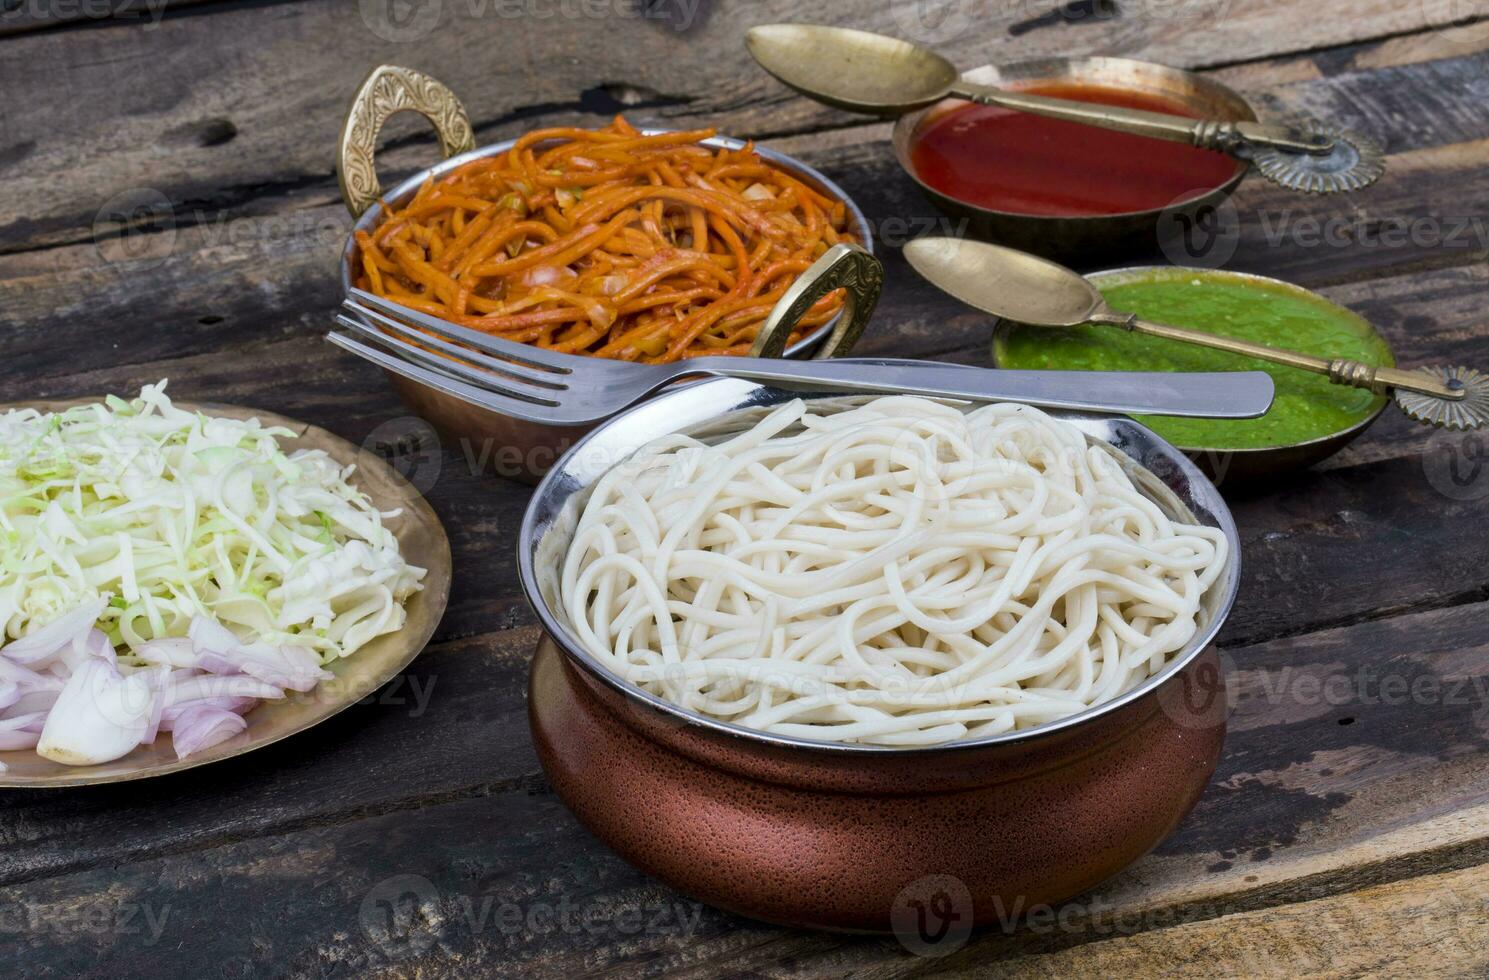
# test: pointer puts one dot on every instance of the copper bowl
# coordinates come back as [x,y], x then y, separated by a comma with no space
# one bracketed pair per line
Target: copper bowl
[1248,467]
[841,836]
[510,447]
[1085,239]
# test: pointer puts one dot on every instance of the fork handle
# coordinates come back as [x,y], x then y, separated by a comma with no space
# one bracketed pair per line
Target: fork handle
[1224,394]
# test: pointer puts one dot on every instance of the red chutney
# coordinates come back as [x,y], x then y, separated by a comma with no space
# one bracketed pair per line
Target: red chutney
[1026,164]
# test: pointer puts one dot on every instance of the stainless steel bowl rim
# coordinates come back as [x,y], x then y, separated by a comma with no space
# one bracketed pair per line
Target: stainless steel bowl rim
[560,484]
[1037,68]
[862,228]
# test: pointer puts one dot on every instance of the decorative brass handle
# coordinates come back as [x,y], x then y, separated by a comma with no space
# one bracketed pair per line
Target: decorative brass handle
[844,266]
[1208,134]
[389,89]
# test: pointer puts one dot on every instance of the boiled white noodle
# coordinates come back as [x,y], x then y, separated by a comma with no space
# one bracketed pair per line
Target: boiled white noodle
[900,573]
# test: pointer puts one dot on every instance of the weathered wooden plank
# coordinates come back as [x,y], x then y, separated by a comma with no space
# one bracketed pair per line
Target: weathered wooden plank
[1418,926]
[267,120]
[219,274]
[20,16]
[1302,807]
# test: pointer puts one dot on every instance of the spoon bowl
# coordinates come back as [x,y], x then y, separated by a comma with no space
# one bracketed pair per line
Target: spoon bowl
[853,70]
[1008,283]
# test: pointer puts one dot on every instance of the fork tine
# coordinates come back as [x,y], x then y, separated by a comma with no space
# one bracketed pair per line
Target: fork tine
[517,372]
[462,370]
[440,381]
[523,353]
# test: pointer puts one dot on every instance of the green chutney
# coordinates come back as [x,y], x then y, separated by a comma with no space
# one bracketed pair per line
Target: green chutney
[1308,406]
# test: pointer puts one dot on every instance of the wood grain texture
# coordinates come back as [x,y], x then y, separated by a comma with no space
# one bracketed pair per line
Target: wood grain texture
[116,124]
[1347,829]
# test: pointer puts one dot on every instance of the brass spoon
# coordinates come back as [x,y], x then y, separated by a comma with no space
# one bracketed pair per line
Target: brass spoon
[865,72]
[1026,289]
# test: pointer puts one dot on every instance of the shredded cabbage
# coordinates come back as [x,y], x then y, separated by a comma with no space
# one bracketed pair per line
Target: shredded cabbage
[169,514]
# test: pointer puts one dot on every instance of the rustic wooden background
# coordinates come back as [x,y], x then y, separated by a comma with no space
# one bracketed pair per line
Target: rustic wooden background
[170,209]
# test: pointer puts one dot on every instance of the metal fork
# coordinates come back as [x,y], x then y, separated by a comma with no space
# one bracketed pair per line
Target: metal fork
[545,386]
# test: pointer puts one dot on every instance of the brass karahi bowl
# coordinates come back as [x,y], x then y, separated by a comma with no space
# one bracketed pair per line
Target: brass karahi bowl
[510,447]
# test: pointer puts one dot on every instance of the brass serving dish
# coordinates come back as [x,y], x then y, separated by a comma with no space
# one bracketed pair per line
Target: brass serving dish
[511,447]
[1084,240]
[1242,466]
[422,541]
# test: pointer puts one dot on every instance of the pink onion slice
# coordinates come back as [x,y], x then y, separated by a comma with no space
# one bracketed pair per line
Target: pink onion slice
[40,648]
[32,702]
[93,644]
[220,652]
[201,727]
[160,683]
[295,668]
[222,685]
[21,731]
[28,679]
[173,712]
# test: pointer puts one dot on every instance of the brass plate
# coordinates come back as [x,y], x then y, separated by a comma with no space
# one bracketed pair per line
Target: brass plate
[423,542]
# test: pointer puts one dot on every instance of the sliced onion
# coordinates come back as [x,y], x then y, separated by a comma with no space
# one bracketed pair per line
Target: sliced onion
[174,651]
[40,648]
[92,644]
[220,652]
[293,668]
[173,712]
[161,684]
[201,727]
[11,741]
[22,731]
[217,663]
[99,716]
[545,275]
[27,678]
[222,686]
[32,702]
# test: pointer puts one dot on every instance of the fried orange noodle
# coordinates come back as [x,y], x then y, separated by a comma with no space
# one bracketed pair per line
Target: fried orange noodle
[608,242]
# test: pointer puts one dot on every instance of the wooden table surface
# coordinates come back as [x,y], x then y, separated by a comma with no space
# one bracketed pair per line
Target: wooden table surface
[170,210]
